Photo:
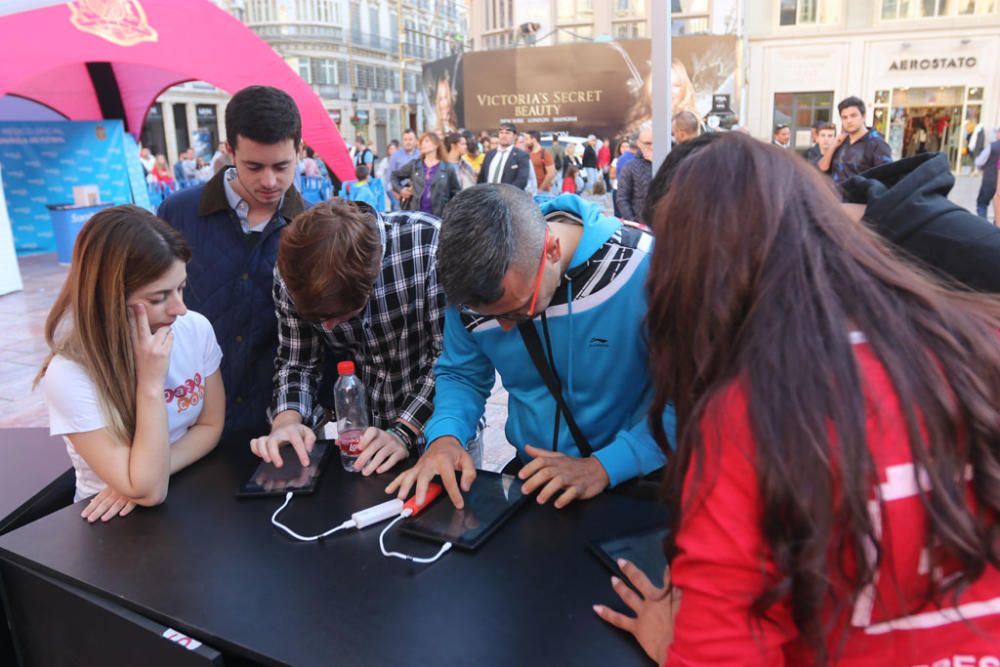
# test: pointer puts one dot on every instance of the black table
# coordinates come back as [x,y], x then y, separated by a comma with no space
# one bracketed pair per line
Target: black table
[213,567]
[36,476]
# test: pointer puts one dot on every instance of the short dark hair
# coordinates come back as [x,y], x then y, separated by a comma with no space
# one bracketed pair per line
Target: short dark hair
[501,227]
[471,143]
[330,257]
[361,172]
[360,139]
[451,140]
[393,142]
[263,114]
[410,130]
[660,185]
[818,124]
[535,134]
[826,125]
[686,122]
[509,126]
[849,102]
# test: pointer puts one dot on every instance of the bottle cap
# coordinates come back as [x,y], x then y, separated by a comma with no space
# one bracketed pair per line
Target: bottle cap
[345,368]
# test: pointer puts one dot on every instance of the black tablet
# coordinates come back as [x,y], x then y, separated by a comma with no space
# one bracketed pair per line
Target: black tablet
[644,548]
[268,480]
[492,499]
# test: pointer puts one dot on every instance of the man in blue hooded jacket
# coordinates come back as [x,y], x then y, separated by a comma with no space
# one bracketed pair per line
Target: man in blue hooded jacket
[572,280]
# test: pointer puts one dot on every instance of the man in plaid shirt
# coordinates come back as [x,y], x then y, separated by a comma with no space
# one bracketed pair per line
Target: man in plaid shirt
[355,283]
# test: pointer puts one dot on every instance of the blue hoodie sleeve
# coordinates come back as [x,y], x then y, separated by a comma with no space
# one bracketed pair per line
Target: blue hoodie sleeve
[634,452]
[464,377]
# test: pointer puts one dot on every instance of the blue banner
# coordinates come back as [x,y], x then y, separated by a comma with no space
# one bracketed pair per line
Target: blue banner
[136,175]
[44,161]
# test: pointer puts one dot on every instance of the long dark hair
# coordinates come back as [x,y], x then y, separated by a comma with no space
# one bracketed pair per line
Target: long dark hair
[758,276]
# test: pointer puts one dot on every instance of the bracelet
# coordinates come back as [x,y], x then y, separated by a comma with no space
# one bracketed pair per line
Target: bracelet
[403,436]
[414,437]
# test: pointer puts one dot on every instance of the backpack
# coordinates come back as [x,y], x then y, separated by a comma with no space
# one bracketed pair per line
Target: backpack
[359,159]
[557,161]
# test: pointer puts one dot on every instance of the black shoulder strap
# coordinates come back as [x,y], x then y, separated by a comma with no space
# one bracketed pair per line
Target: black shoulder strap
[534,345]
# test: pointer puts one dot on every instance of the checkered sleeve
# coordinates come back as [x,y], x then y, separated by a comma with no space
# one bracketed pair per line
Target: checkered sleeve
[419,403]
[297,368]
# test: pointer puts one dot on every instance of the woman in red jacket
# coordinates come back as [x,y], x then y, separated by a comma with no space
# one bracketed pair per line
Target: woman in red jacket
[836,483]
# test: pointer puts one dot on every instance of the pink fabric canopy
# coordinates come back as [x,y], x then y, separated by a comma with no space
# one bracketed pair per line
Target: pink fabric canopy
[149,45]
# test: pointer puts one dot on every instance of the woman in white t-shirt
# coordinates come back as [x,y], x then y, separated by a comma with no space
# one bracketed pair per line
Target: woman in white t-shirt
[132,382]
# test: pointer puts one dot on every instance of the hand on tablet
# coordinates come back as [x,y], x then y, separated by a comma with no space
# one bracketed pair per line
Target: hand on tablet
[655,609]
[106,505]
[554,472]
[380,450]
[443,458]
[299,436]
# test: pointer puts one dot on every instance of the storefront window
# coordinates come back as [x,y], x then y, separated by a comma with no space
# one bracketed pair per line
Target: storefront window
[181,127]
[916,9]
[629,29]
[806,12]
[630,8]
[574,10]
[153,136]
[575,33]
[799,111]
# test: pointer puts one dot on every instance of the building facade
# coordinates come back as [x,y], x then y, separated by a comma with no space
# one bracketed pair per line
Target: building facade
[499,24]
[362,57]
[927,70]
[192,114]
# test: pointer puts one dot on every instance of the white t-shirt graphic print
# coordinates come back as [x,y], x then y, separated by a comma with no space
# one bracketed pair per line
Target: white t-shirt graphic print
[74,406]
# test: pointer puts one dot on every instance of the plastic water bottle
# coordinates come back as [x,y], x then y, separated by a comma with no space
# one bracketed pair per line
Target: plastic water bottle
[351,403]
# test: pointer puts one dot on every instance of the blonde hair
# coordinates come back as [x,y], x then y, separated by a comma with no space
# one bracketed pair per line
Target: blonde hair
[643,109]
[687,102]
[118,251]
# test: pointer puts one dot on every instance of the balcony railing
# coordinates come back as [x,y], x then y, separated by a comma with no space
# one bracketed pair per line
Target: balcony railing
[370,41]
[312,33]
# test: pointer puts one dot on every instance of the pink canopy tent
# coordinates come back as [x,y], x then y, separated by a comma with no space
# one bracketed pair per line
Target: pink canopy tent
[94,59]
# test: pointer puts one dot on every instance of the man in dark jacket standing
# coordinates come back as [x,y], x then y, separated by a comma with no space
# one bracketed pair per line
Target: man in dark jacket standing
[634,177]
[506,163]
[858,148]
[987,162]
[907,203]
[590,161]
[232,224]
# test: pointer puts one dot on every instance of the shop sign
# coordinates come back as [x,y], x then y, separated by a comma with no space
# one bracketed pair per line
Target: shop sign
[925,64]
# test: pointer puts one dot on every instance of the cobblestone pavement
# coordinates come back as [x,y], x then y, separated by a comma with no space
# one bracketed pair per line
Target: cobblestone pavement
[22,346]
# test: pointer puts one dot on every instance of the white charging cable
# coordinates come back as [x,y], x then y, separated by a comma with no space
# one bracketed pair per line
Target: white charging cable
[395,554]
[358,520]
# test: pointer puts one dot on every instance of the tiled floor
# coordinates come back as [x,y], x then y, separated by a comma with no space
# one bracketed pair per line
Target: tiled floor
[22,340]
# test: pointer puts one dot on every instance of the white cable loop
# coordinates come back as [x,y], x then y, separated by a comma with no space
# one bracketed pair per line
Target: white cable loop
[312,538]
[395,554]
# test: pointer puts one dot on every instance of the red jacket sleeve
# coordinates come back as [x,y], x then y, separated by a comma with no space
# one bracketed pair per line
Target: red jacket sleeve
[722,555]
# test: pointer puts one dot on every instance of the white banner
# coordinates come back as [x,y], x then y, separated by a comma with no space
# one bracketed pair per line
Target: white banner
[10,274]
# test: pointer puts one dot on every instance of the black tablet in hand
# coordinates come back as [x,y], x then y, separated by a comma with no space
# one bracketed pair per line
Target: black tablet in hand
[644,549]
[267,480]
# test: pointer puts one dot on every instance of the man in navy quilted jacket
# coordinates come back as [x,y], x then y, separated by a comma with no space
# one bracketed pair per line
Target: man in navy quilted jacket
[232,224]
